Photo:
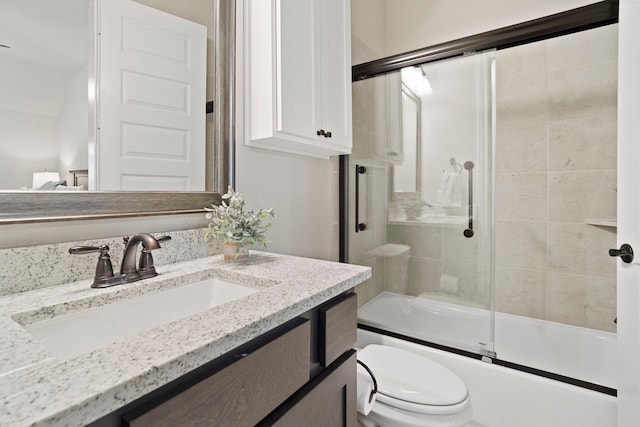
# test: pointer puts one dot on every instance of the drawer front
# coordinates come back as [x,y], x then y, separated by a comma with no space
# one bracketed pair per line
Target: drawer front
[244,392]
[338,324]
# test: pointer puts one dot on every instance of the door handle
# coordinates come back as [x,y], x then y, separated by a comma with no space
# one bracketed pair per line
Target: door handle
[625,253]
[468,233]
[360,226]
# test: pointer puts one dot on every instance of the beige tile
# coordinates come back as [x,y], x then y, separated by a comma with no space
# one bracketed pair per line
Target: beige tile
[457,247]
[361,150]
[471,285]
[396,269]
[581,249]
[362,98]
[521,196]
[377,192]
[378,226]
[365,292]
[425,241]
[521,244]
[583,143]
[521,292]
[359,244]
[521,86]
[577,196]
[424,275]
[589,91]
[373,286]
[584,301]
[583,48]
[521,145]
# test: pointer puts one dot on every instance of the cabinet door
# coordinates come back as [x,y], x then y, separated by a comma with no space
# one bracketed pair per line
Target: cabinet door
[335,65]
[298,69]
[331,402]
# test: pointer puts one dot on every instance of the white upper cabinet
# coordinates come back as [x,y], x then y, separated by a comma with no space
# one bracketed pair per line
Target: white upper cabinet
[297,76]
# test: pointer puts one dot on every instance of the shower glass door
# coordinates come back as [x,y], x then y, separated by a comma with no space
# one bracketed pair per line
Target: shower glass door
[421,201]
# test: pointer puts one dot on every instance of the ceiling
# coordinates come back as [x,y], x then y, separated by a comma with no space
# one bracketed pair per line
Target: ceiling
[49,32]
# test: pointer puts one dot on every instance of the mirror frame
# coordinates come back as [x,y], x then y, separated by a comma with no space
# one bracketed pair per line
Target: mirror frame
[46,206]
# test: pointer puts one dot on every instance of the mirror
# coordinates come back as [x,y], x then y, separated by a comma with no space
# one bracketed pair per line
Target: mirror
[406,178]
[18,206]
[406,175]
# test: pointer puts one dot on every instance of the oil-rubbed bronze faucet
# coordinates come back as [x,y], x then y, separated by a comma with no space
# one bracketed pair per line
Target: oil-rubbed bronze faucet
[104,276]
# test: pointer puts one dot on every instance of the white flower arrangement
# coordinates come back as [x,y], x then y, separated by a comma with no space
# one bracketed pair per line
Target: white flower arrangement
[229,221]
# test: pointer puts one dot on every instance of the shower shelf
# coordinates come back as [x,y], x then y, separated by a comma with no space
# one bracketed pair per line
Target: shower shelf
[603,222]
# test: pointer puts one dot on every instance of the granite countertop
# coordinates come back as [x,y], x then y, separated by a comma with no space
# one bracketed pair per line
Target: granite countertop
[38,389]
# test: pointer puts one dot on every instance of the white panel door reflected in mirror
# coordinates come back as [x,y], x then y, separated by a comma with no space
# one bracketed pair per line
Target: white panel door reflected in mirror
[151,109]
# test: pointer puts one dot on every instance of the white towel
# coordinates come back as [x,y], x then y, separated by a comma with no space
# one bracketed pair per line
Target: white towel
[365,388]
[450,194]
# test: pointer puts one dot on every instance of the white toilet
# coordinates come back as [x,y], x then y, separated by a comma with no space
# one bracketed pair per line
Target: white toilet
[413,391]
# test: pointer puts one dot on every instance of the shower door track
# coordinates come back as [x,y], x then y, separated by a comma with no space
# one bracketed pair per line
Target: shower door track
[495,361]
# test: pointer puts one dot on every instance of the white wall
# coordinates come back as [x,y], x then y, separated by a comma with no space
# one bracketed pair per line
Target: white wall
[303,192]
[27,144]
[32,97]
[73,134]
[367,24]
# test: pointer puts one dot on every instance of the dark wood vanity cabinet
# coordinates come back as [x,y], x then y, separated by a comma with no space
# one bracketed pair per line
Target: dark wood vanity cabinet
[302,373]
[328,401]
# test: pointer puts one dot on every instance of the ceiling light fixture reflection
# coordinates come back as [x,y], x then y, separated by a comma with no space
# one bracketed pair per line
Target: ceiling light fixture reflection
[416,80]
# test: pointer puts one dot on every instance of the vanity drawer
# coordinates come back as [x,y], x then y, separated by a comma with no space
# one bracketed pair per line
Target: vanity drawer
[244,392]
[338,322]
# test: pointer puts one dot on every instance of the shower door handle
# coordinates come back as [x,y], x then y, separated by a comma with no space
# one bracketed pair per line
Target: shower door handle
[468,233]
[360,226]
[625,253]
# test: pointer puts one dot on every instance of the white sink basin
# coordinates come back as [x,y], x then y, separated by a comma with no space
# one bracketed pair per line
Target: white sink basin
[77,333]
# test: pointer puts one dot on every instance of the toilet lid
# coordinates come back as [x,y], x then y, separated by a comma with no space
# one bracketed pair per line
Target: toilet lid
[412,378]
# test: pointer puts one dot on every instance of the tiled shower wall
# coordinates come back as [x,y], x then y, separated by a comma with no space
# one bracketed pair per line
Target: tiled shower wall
[555,174]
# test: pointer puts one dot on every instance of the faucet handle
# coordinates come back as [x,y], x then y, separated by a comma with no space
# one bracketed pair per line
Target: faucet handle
[78,250]
[145,265]
[104,268]
[163,238]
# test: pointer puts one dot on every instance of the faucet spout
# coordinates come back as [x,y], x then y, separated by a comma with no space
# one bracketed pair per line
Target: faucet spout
[128,265]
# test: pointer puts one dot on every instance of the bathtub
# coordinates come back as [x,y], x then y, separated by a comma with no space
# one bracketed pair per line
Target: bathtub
[573,352]
[504,397]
